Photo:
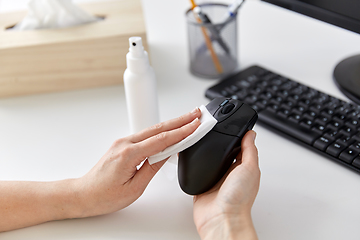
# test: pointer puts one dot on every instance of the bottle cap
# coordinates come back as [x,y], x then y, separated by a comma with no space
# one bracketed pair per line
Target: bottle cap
[136,47]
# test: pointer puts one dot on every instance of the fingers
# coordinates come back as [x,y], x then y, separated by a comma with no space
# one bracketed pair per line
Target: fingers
[145,174]
[166,126]
[249,152]
[159,142]
[247,156]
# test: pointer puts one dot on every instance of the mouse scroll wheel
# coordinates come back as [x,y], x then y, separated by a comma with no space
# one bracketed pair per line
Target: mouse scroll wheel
[227,108]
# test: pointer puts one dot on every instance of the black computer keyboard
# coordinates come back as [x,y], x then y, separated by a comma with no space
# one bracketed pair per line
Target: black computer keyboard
[319,121]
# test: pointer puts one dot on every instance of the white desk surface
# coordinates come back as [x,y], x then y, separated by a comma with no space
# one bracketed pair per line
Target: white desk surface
[302,194]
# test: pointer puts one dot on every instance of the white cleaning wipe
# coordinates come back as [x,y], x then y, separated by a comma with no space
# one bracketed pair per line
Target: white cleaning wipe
[207,122]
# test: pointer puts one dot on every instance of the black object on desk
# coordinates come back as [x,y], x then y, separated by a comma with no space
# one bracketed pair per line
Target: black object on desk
[202,165]
[344,14]
[319,121]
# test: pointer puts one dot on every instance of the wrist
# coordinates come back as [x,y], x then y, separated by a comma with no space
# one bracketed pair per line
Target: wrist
[229,227]
[68,200]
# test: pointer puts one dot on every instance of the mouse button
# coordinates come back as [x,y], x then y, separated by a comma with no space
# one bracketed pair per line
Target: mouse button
[214,105]
[238,123]
[224,102]
[227,108]
[220,116]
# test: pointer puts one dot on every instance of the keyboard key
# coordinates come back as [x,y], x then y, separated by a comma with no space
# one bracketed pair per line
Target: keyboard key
[348,155]
[335,149]
[352,123]
[356,162]
[277,81]
[263,83]
[251,99]
[273,108]
[345,140]
[225,93]
[288,127]
[355,146]
[243,84]
[269,76]
[294,98]
[283,93]
[332,105]
[306,123]
[334,125]
[299,110]
[353,114]
[316,108]
[262,103]
[310,94]
[266,95]
[310,115]
[274,101]
[242,94]
[287,86]
[256,91]
[279,99]
[345,109]
[340,118]
[347,131]
[333,135]
[356,136]
[322,120]
[328,113]
[298,90]
[273,88]
[295,118]
[283,113]
[234,97]
[256,108]
[319,129]
[322,143]
[288,104]
[304,103]
[252,78]
[321,99]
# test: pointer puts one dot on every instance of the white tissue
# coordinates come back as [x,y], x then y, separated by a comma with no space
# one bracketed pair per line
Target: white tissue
[53,14]
[207,122]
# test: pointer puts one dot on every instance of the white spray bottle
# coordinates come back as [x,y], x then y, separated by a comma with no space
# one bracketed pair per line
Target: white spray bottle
[140,88]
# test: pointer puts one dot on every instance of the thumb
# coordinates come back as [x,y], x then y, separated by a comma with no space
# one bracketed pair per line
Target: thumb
[249,152]
[146,173]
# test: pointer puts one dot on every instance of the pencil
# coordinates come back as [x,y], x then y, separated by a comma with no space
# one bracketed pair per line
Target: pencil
[215,59]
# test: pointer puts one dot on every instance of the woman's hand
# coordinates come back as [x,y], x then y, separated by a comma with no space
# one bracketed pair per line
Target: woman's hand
[224,212]
[112,184]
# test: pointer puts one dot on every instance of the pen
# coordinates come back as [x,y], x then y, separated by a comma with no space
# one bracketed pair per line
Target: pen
[208,43]
[233,9]
[230,14]
[215,34]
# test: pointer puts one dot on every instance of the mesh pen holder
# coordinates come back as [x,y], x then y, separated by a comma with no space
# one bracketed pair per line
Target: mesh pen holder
[212,46]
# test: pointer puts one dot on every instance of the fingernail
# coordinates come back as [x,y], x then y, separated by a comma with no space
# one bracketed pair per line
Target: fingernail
[195,110]
[254,135]
[195,121]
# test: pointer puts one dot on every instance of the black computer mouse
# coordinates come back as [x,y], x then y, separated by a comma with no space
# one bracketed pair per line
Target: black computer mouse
[202,165]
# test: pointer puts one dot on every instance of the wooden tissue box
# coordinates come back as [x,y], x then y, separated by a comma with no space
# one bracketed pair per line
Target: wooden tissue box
[84,56]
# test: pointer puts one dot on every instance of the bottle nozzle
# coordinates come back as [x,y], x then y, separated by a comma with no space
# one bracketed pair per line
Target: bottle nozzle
[136,47]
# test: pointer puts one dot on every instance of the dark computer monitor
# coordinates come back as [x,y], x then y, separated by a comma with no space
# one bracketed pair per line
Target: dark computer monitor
[344,14]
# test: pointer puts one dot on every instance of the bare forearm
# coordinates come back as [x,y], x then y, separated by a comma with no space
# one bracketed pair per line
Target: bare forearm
[24,204]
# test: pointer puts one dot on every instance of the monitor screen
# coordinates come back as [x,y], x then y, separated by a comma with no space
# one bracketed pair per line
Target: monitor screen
[342,13]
